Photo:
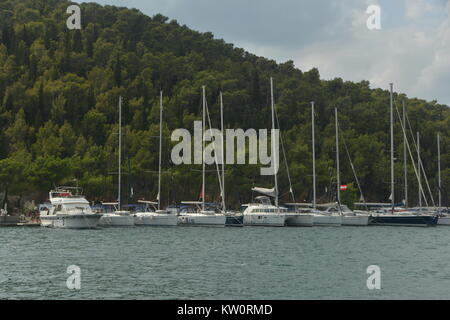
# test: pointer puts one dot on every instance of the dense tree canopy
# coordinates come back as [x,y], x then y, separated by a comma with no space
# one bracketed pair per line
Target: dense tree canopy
[59,92]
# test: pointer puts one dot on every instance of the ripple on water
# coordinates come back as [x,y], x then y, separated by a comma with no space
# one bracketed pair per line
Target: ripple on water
[225,263]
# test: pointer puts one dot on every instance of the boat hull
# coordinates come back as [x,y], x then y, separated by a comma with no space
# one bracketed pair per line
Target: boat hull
[444,221]
[355,220]
[156,219]
[404,221]
[116,221]
[299,220]
[202,220]
[327,220]
[76,221]
[264,220]
[234,221]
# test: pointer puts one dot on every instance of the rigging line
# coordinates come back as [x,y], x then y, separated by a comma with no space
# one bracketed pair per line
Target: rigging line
[351,164]
[421,166]
[214,147]
[284,156]
[410,153]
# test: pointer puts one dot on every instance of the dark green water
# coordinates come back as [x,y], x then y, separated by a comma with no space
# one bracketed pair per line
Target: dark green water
[225,263]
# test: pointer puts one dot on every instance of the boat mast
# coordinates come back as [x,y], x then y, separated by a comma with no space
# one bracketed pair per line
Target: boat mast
[160,147]
[120,151]
[439,171]
[392,147]
[223,153]
[420,173]
[405,158]
[273,142]
[203,149]
[313,155]
[338,178]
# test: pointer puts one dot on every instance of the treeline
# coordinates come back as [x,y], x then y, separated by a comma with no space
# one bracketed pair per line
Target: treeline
[59,92]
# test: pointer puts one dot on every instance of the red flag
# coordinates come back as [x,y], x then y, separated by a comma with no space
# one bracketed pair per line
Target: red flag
[201,194]
[343,187]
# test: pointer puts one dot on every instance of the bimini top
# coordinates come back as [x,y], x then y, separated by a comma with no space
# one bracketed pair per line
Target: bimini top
[67,195]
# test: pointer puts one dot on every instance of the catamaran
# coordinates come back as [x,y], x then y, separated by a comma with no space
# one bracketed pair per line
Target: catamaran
[264,213]
[202,217]
[118,218]
[68,209]
[156,216]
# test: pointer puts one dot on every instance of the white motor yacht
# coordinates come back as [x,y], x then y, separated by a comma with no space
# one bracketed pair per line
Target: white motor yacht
[69,209]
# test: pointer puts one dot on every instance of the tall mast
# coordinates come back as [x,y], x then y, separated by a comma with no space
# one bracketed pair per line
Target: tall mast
[203,149]
[160,147]
[273,142]
[392,147]
[120,152]
[439,171]
[338,178]
[223,153]
[405,158]
[420,172]
[313,155]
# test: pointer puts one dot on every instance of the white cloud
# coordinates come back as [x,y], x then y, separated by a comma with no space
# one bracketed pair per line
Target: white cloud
[411,50]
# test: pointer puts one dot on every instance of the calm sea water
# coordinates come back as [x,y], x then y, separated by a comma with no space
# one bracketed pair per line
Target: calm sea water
[225,263]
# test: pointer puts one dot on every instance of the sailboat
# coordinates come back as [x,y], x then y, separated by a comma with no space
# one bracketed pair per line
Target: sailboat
[156,217]
[349,218]
[395,216]
[118,218]
[263,213]
[201,217]
[297,216]
[444,219]
[321,218]
[232,219]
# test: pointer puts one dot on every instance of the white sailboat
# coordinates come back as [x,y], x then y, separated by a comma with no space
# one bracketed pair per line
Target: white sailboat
[297,217]
[202,216]
[349,218]
[118,218]
[321,218]
[156,217]
[264,213]
[232,219]
[68,210]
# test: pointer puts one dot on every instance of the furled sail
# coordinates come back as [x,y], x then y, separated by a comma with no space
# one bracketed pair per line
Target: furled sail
[265,191]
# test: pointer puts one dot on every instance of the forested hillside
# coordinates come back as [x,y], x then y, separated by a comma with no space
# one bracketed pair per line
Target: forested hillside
[59,91]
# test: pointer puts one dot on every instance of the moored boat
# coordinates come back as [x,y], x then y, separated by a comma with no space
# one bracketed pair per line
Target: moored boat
[69,210]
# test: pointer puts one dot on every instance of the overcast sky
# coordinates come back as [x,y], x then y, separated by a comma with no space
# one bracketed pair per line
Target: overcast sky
[412,49]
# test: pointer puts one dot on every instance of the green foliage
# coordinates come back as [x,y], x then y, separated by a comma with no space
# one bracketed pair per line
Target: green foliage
[59,92]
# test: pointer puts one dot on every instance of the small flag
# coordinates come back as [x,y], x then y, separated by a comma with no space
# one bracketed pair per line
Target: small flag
[201,194]
[390,197]
[157,197]
[343,187]
[131,192]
